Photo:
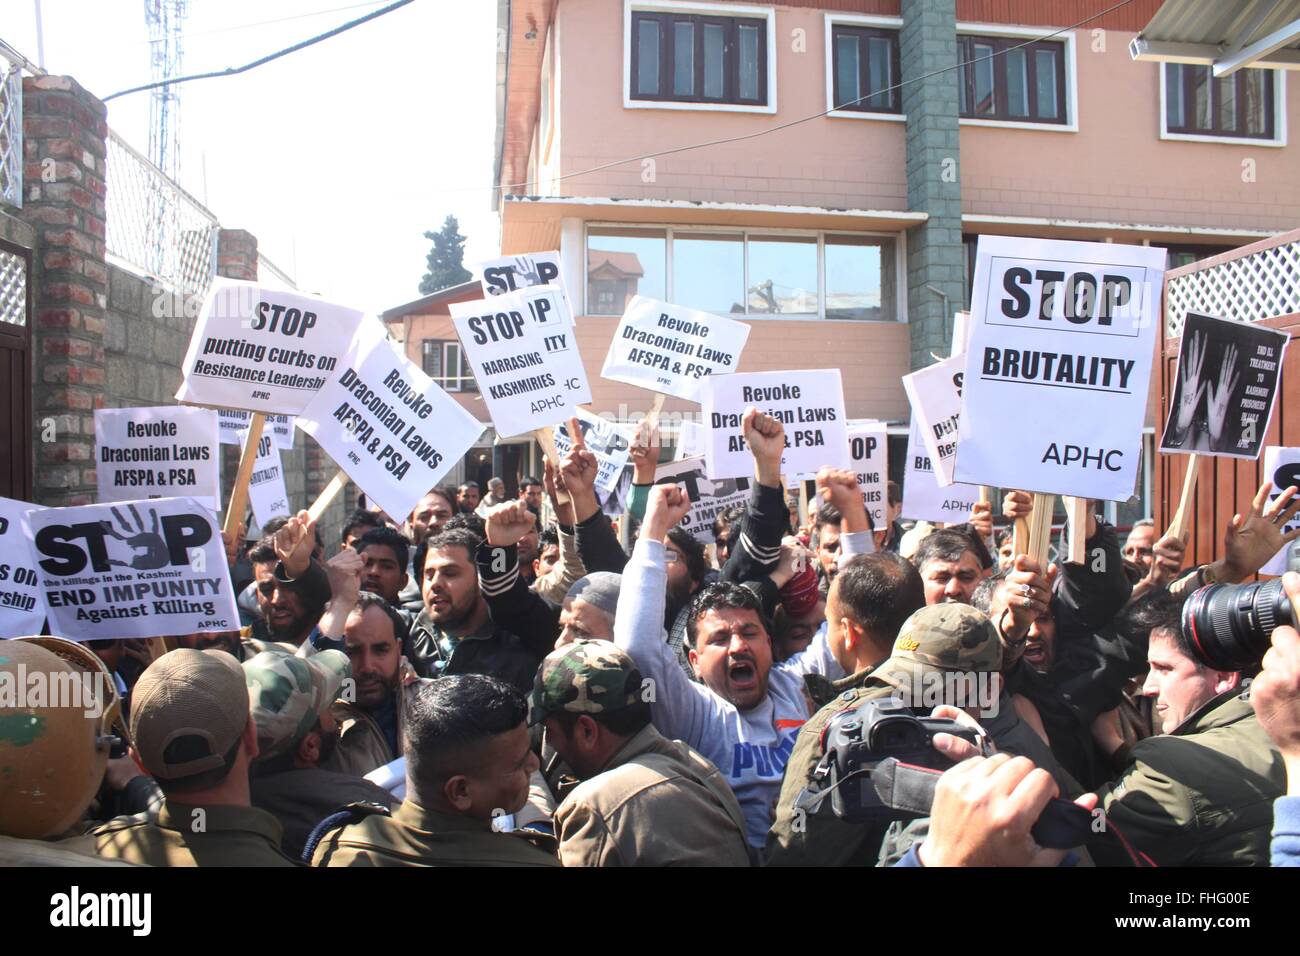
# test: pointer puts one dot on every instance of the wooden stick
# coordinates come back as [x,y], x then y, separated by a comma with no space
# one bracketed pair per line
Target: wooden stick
[1077,508]
[328,494]
[1182,517]
[986,495]
[657,406]
[546,438]
[804,502]
[1040,526]
[247,458]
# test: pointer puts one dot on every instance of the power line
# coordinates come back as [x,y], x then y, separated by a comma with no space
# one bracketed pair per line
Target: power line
[796,122]
[232,71]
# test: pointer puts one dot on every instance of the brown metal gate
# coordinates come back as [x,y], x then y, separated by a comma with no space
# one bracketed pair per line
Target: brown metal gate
[15,371]
[1259,282]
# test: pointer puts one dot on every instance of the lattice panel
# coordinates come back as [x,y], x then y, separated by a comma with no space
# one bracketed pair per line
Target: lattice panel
[1258,286]
[13,289]
[155,225]
[11,137]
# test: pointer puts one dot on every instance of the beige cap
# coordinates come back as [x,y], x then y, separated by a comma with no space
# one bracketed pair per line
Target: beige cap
[188,710]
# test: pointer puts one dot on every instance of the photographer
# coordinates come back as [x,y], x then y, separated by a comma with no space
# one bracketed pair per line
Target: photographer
[1275,695]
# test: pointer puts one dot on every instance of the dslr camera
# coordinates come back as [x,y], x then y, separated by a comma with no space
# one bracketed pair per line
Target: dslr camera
[1229,626]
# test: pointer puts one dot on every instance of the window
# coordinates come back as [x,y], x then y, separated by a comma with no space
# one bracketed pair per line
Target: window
[1009,79]
[1239,106]
[698,58]
[864,64]
[758,273]
[443,362]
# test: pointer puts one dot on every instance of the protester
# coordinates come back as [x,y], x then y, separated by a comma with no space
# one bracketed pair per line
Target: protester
[469,759]
[385,553]
[1139,545]
[496,494]
[358,523]
[644,800]
[530,493]
[292,588]
[467,497]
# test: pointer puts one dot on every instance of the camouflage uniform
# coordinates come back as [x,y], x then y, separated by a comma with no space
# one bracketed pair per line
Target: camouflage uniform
[288,696]
[657,802]
[944,638]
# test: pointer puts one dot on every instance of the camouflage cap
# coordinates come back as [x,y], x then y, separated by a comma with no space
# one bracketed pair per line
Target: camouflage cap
[585,677]
[950,637]
[288,694]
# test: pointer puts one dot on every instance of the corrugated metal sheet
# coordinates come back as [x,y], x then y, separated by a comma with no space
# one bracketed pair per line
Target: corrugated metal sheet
[1196,21]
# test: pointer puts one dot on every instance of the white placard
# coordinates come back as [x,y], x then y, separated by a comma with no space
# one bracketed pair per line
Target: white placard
[1282,467]
[161,452]
[524,352]
[960,333]
[672,349]
[869,454]
[133,569]
[809,403]
[264,349]
[935,395]
[709,498]
[512,273]
[692,440]
[923,499]
[22,602]
[233,424]
[266,491]
[387,424]
[1061,342]
[607,441]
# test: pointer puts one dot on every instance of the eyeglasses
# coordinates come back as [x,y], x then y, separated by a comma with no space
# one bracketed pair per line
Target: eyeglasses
[670,556]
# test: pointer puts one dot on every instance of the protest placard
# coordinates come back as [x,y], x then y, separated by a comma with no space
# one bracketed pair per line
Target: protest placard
[1224,388]
[935,395]
[263,349]
[524,353]
[233,425]
[266,491]
[672,349]
[808,402]
[604,439]
[869,454]
[133,569]
[709,497]
[512,273]
[923,498]
[1282,467]
[161,452]
[692,440]
[22,603]
[1058,362]
[387,424]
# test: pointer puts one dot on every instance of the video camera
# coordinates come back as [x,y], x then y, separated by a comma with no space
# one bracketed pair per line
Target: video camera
[1229,626]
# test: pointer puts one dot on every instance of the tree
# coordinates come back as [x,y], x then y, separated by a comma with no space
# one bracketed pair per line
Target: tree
[446,258]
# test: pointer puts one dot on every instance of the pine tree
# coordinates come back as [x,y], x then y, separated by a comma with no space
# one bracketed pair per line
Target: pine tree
[445,262]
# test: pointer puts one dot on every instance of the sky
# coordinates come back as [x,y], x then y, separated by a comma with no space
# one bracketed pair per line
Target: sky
[337,157]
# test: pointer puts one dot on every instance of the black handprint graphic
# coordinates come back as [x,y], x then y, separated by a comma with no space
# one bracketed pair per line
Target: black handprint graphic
[148,547]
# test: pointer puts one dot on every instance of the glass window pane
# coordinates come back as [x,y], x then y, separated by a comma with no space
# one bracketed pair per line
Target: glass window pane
[683,59]
[1017,84]
[748,62]
[880,68]
[1200,83]
[622,263]
[860,278]
[967,75]
[1226,94]
[714,61]
[783,275]
[709,272]
[847,73]
[1256,105]
[647,51]
[1046,71]
[1173,96]
[985,104]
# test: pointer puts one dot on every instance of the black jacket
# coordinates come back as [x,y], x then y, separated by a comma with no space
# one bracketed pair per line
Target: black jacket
[493,651]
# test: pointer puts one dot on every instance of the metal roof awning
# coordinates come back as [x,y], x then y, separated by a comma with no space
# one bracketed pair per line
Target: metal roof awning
[1224,36]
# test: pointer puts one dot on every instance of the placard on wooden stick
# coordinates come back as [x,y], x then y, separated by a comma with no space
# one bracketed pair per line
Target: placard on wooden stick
[247,458]
[327,495]
[1182,517]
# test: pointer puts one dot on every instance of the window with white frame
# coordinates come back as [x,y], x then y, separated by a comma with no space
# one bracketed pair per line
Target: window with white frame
[1009,76]
[688,55]
[443,361]
[863,59]
[756,273]
[1199,105]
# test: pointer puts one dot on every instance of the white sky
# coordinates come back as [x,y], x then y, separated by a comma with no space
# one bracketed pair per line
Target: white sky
[338,157]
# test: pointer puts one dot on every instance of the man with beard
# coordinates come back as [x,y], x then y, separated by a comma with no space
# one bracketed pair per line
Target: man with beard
[949,566]
[369,733]
[290,701]
[292,589]
[428,517]
[530,493]
[467,497]
[454,633]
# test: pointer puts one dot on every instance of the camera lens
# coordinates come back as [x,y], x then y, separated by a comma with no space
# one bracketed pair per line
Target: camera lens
[1229,625]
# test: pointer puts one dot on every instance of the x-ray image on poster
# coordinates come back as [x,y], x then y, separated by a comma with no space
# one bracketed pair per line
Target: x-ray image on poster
[1224,388]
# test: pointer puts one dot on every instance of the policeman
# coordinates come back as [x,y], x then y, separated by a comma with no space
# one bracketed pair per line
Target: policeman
[192,731]
[468,762]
